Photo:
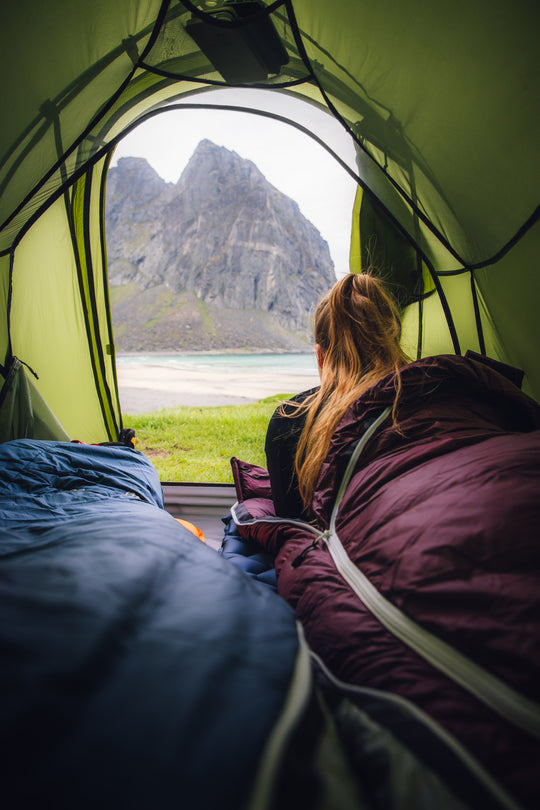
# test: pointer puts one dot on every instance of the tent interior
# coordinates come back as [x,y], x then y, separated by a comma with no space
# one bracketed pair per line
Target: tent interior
[439,104]
[436,111]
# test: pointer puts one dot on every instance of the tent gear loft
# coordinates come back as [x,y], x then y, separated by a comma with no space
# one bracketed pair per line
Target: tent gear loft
[439,106]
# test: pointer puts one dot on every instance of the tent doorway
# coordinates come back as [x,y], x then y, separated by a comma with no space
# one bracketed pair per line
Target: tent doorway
[151,378]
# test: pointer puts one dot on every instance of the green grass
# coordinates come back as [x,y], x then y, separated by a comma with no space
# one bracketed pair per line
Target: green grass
[196,444]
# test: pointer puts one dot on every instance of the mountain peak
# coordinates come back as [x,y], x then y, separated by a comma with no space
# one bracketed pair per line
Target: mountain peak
[213,167]
[206,147]
[138,168]
[223,235]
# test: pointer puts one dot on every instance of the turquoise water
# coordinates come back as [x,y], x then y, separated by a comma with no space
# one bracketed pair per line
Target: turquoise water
[301,364]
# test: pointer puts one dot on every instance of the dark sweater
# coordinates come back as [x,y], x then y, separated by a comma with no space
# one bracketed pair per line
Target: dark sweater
[282,437]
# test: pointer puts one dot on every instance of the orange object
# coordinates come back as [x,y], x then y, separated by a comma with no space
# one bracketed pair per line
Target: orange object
[193,529]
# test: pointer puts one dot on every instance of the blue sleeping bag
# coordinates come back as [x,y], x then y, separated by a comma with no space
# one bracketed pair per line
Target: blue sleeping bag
[139,669]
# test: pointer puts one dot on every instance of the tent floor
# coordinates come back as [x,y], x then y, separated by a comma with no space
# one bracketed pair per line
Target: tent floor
[201,504]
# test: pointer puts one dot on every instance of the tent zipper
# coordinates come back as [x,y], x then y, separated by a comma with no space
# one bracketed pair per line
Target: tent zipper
[518,709]
[490,690]
[503,699]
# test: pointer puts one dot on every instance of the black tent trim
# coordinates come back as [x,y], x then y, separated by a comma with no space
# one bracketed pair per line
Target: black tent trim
[335,62]
[87,319]
[27,150]
[420,329]
[108,148]
[477,314]
[169,74]
[414,207]
[94,345]
[111,346]
[466,266]
[520,233]
[417,211]
[446,308]
[94,121]
[9,352]
[72,90]
[347,168]
[86,279]
[102,386]
[129,45]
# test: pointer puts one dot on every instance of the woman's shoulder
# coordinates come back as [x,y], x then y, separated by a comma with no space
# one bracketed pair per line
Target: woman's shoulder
[289,417]
[298,399]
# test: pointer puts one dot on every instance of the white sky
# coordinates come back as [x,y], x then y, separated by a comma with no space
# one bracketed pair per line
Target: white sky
[292,161]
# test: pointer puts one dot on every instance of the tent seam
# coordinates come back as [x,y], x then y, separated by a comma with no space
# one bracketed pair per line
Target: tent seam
[100,375]
[93,123]
[104,265]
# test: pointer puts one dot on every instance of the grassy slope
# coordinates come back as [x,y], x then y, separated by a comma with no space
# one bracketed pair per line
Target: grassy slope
[196,444]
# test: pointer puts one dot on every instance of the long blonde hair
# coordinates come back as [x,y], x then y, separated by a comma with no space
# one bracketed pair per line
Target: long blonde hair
[358,327]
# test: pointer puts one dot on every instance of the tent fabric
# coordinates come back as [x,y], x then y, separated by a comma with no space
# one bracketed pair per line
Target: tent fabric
[23,411]
[440,103]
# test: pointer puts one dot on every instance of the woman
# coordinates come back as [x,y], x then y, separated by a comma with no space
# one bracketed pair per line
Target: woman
[438,517]
[357,335]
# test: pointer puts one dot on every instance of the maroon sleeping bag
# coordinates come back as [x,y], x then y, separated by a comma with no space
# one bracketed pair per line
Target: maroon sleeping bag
[442,516]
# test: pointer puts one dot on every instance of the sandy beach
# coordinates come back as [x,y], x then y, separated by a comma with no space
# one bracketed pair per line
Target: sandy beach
[149,387]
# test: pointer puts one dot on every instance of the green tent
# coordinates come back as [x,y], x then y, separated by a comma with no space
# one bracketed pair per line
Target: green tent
[440,100]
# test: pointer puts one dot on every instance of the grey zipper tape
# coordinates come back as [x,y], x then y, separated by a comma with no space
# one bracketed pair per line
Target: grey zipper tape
[489,689]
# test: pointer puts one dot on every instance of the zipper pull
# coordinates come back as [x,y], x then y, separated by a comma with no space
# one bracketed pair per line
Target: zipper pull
[298,560]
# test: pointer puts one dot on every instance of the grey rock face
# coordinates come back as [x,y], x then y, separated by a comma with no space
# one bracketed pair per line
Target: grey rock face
[223,237]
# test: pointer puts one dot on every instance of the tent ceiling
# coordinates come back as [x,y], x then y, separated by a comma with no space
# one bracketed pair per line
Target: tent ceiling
[441,101]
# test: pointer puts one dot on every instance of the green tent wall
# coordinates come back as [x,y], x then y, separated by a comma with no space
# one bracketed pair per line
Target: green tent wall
[440,100]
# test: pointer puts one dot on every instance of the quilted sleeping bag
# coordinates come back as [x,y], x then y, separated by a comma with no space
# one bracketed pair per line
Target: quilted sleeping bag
[421,574]
[138,668]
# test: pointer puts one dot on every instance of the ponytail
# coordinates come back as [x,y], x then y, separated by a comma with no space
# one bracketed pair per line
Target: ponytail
[358,327]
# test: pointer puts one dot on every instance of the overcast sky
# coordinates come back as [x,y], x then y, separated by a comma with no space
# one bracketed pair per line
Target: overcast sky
[290,160]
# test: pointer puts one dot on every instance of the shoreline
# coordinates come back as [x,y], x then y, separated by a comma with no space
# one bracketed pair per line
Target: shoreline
[210,353]
[147,387]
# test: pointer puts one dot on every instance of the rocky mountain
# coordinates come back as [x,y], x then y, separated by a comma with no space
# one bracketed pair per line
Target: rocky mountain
[219,260]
